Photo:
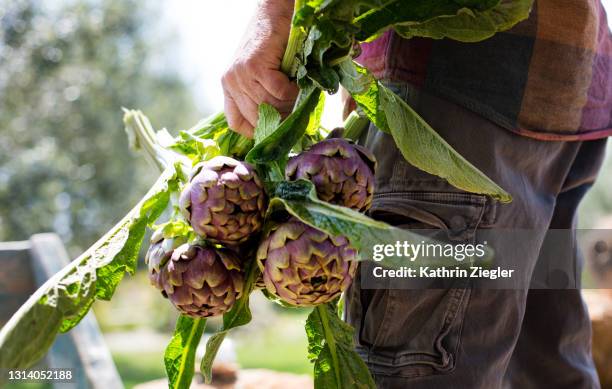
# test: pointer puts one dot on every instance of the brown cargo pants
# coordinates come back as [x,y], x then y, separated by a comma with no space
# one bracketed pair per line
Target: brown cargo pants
[472,337]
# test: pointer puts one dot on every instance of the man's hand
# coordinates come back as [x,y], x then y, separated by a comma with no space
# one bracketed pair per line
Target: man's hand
[255,76]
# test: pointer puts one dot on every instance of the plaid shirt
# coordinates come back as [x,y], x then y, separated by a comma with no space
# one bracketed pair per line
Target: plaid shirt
[549,78]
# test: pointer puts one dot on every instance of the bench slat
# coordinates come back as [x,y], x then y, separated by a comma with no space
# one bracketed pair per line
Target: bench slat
[16,276]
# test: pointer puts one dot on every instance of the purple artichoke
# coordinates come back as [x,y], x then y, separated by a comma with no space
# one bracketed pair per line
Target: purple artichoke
[304,266]
[224,200]
[199,281]
[342,173]
[161,249]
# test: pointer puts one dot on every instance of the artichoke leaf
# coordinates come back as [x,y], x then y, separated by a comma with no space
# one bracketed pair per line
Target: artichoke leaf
[420,144]
[179,357]
[195,142]
[470,26]
[331,348]
[373,22]
[268,121]
[278,143]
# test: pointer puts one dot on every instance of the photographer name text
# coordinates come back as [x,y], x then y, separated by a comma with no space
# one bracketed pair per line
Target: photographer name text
[443,272]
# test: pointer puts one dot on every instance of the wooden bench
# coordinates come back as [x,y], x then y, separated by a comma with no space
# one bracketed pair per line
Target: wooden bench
[28,264]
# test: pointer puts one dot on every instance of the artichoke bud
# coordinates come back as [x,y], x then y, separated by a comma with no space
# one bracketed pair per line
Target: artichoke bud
[342,173]
[224,201]
[200,281]
[304,266]
[163,242]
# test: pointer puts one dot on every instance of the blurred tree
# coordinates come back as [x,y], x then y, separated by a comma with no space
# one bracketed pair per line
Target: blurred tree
[66,69]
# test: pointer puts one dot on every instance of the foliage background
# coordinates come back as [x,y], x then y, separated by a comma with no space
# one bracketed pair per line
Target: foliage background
[66,69]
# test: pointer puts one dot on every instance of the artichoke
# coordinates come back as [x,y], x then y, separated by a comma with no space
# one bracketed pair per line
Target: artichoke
[304,266]
[342,173]
[199,281]
[160,250]
[224,200]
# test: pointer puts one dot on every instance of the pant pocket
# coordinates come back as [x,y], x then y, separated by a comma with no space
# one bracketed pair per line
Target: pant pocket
[413,333]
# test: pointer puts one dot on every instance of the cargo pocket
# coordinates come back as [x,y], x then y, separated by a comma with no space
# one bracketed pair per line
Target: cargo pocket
[413,333]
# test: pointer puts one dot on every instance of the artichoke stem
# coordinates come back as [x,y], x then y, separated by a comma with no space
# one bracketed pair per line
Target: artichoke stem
[354,125]
[297,35]
[142,136]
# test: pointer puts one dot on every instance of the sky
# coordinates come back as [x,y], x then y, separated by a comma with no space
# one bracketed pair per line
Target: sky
[207,36]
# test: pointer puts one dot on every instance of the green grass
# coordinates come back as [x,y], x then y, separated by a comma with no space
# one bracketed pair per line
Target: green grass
[136,368]
[274,348]
[264,352]
[281,346]
[24,385]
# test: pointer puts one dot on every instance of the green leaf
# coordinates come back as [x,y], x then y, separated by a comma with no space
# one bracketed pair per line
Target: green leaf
[425,149]
[210,127]
[420,144]
[276,145]
[232,144]
[300,200]
[467,26]
[61,302]
[176,228]
[329,30]
[364,89]
[239,315]
[267,123]
[314,122]
[330,37]
[215,128]
[331,348]
[395,12]
[314,132]
[195,148]
[179,358]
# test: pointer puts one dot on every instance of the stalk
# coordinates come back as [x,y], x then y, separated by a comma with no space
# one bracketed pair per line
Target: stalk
[142,137]
[354,125]
[297,35]
[204,126]
[331,341]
